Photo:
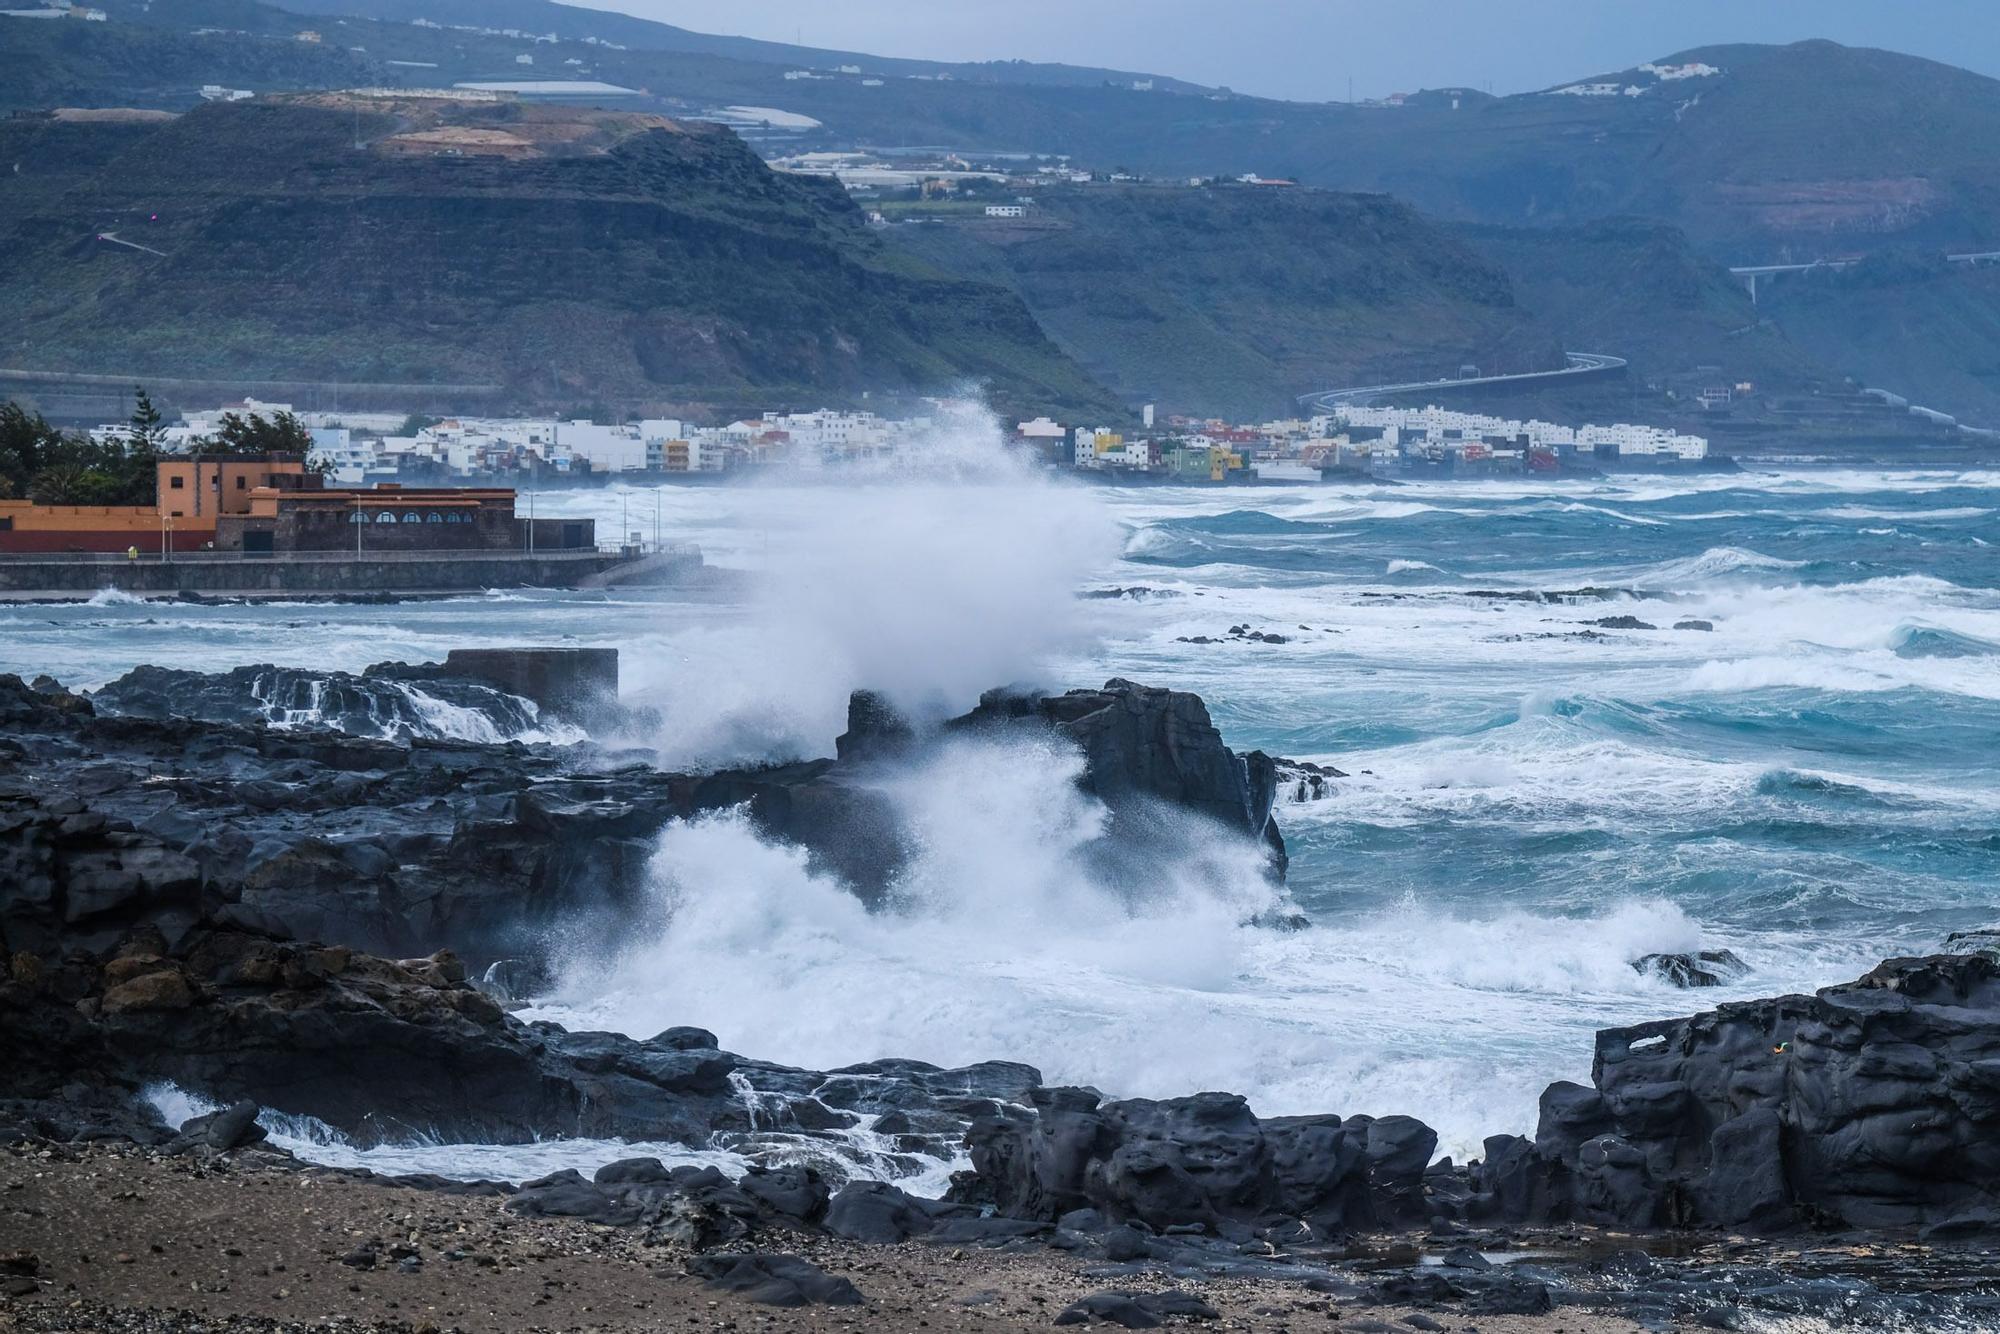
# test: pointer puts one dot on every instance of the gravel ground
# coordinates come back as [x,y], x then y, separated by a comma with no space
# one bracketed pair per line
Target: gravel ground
[122,1241]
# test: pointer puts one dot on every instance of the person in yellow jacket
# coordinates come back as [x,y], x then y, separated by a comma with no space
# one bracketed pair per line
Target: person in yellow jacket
[132,553]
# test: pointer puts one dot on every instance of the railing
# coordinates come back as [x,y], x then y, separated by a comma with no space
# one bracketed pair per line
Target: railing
[155,557]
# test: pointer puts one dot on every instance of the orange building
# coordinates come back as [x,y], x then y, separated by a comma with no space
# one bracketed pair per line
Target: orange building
[27,527]
[199,487]
[192,491]
[258,504]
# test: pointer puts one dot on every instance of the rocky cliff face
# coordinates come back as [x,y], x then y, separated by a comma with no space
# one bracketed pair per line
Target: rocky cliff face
[542,252]
[227,906]
[1873,1104]
[171,796]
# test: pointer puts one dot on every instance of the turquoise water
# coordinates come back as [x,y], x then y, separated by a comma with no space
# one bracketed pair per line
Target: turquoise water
[1534,800]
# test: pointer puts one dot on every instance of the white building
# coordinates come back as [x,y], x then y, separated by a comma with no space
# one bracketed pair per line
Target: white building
[1006,211]
[1434,425]
[610,449]
[1097,446]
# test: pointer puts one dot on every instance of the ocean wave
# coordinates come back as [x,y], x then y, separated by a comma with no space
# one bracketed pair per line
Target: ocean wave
[1872,512]
[1930,641]
[1719,562]
[1579,507]
[1822,788]
[857,1153]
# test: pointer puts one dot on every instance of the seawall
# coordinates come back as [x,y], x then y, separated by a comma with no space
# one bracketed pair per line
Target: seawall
[228,574]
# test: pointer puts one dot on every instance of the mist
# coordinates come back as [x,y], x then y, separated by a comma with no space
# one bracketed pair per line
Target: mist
[927,580]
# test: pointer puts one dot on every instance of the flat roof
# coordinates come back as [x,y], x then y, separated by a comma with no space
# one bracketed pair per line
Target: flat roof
[549,87]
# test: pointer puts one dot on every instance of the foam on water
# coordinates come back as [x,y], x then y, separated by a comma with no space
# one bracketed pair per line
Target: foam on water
[859,1153]
[1535,802]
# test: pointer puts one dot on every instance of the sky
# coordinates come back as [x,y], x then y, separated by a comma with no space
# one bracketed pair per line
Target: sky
[1311,49]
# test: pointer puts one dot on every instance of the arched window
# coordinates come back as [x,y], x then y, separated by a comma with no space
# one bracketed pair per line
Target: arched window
[413,517]
[435,517]
[385,517]
[458,518]
[356,517]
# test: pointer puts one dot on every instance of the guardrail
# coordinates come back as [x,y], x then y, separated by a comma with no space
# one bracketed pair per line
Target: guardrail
[119,558]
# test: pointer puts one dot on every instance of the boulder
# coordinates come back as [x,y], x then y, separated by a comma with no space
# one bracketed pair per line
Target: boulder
[1872,1104]
[775,1280]
[1205,1162]
[1704,968]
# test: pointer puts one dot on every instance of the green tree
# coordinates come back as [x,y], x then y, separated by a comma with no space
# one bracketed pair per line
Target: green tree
[27,445]
[147,432]
[256,434]
[78,472]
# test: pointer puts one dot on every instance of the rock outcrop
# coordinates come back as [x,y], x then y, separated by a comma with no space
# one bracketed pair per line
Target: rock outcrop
[1204,1162]
[1874,1104]
[1146,744]
[382,1050]
[392,701]
[402,848]
[261,916]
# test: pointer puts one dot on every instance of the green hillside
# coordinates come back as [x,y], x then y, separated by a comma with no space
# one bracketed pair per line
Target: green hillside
[557,252]
[1782,152]
[1638,290]
[1235,299]
[1909,323]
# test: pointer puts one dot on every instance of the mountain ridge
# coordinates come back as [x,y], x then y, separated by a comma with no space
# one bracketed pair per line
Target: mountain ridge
[570,254]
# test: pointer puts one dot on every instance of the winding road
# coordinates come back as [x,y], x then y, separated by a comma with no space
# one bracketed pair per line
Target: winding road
[1581,364]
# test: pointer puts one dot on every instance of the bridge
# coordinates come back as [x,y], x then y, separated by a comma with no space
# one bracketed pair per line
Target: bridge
[1582,366]
[1750,274]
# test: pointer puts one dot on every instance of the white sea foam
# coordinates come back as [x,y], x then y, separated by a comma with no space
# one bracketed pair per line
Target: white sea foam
[928,586]
[1001,946]
[856,1153]
[1874,512]
[1478,731]
[1716,562]
[1000,941]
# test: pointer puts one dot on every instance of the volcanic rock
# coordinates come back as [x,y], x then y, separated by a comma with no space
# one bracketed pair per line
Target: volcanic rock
[1706,968]
[775,1280]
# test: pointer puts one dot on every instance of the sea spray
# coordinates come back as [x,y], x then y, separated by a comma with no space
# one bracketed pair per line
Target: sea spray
[953,572]
[1004,939]
[1467,939]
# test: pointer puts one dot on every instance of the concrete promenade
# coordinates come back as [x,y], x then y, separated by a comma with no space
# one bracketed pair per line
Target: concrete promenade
[226,574]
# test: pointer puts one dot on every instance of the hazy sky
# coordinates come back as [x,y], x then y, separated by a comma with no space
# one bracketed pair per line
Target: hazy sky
[1311,48]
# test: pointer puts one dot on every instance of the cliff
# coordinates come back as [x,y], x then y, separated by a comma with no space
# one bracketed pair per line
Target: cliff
[565,255]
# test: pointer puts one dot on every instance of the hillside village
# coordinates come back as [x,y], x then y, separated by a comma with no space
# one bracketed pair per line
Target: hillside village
[361,448]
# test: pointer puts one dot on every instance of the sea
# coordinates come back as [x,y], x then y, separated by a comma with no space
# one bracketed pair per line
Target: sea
[1580,722]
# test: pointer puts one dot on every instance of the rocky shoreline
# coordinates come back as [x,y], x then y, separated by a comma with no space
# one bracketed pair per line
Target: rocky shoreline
[334,927]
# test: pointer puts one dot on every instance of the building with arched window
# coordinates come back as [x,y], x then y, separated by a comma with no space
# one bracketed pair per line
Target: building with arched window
[314,517]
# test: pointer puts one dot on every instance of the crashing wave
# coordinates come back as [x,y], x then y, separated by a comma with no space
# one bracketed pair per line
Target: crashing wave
[374,703]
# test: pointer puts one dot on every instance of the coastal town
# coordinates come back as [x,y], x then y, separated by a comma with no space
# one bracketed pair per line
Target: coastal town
[359,449]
